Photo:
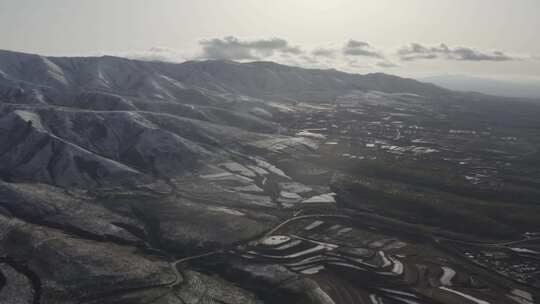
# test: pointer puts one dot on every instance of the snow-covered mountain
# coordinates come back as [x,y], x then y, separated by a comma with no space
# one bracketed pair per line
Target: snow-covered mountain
[194,82]
[109,120]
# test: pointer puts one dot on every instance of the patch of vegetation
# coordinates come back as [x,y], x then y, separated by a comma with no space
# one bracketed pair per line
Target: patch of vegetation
[455,213]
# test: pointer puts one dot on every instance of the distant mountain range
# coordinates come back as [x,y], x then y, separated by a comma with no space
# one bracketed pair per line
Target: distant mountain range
[188,80]
[523,89]
[95,120]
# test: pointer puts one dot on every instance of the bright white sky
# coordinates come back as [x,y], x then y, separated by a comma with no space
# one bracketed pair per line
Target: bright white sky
[174,29]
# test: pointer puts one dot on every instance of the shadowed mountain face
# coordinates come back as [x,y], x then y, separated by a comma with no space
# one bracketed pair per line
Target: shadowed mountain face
[126,181]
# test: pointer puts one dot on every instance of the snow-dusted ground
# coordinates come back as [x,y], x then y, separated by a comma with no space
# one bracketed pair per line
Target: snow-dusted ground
[226,210]
[524,250]
[397,268]
[275,240]
[447,276]
[313,225]
[294,187]
[323,198]
[269,167]
[464,295]
[290,195]
[521,296]
[250,188]
[284,144]
[305,133]
[238,168]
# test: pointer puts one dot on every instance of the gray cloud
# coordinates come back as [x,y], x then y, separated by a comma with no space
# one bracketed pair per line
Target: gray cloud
[295,50]
[386,64]
[309,60]
[233,48]
[353,63]
[416,51]
[324,52]
[153,54]
[360,48]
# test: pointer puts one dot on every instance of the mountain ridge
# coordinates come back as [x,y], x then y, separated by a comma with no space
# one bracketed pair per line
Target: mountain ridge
[183,70]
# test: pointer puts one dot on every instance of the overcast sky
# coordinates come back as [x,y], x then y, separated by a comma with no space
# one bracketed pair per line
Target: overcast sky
[496,38]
